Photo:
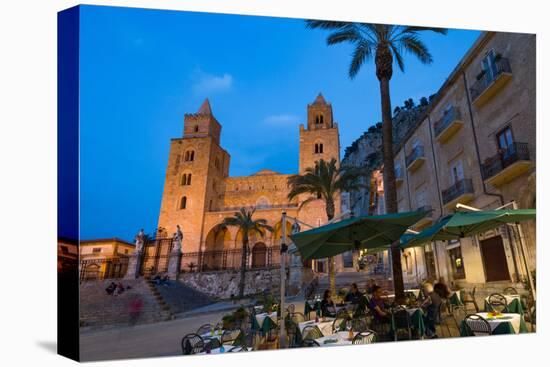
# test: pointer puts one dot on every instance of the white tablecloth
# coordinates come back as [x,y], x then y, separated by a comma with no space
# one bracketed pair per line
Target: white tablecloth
[513,318]
[509,298]
[325,326]
[341,338]
[226,349]
[260,318]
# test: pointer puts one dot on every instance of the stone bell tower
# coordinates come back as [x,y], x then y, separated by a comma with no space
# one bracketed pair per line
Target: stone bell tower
[320,140]
[197,166]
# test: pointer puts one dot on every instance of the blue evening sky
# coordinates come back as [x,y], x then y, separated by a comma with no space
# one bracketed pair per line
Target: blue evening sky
[141,70]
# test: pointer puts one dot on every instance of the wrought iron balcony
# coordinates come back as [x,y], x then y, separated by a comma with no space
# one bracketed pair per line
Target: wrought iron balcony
[461,191]
[490,83]
[448,125]
[507,164]
[416,158]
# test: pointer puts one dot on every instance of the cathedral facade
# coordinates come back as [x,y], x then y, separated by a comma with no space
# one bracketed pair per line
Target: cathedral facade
[199,193]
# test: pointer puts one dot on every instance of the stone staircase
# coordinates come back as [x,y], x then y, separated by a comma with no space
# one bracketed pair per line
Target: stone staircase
[97,308]
[176,297]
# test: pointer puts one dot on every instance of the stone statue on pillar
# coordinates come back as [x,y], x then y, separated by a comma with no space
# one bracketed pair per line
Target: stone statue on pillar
[139,240]
[134,261]
[178,239]
[174,262]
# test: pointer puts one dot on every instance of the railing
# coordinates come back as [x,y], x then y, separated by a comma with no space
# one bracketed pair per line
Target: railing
[497,163]
[258,207]
[461,187]
[417,152]
[450,115]
[98,269]
[502,65]
[266,257]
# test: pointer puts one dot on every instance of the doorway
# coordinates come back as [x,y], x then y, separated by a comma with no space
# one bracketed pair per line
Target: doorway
[494,259]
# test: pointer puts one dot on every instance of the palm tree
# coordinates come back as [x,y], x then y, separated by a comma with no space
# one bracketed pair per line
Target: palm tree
[248,226]
[386,43]
[325,182]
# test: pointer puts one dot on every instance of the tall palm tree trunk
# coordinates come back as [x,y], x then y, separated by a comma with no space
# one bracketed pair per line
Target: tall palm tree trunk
[390,191]
[243,266]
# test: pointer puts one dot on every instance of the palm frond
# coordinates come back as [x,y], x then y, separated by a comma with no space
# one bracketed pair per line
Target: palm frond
[347,34]
[325,24]
[397,55]
[415,46]
[362,53]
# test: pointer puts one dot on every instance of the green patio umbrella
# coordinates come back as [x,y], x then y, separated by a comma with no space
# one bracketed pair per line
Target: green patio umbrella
[370,232]
[464,224]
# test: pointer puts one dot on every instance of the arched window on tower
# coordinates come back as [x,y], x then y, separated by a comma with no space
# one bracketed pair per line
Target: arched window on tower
[184,179]
[320,148]
[316,120]
[316,148]
[189,156]
[196,128]
[192,158]
[320,119]
[183,202]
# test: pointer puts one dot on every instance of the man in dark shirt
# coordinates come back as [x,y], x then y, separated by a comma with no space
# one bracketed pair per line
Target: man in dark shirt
[377,305]
[431,307]
[353,296]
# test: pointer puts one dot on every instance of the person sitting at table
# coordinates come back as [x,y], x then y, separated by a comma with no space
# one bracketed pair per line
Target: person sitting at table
[327,305]
[430,306]
[377,305]
[442,289]
[371,283]
[354,295]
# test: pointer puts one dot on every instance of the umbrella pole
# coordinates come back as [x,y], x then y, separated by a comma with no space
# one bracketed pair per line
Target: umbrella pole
[282,331]
[522,249]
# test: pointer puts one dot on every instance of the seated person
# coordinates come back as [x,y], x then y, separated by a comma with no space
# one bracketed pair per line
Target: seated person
[111,288]
[377,305]
[354,295]
[327,305]
[431,305]
[442,288]
[371,283]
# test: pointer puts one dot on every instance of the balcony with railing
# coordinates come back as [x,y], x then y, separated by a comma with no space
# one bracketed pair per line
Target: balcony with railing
[448,125]
[415,159]
[460,192]
[398,177]
[507,164]
[490,83]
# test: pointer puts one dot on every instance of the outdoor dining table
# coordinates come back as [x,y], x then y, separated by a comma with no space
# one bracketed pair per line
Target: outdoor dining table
[265,322]
[312,305]
[226,349]
[415,292]
[324,325]
[514,301]
[337,339]
[509,323]
[456,298]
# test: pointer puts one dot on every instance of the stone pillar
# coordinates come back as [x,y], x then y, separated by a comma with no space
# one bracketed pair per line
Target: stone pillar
[174,263]
[134,265]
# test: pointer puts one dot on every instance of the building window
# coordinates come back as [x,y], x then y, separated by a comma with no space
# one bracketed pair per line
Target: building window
[189,156]
[126,252]
[64,250]
[183,202]
[197,128]
[489,65]
[96,250]
[457,171]
[186,179]
[505,139]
